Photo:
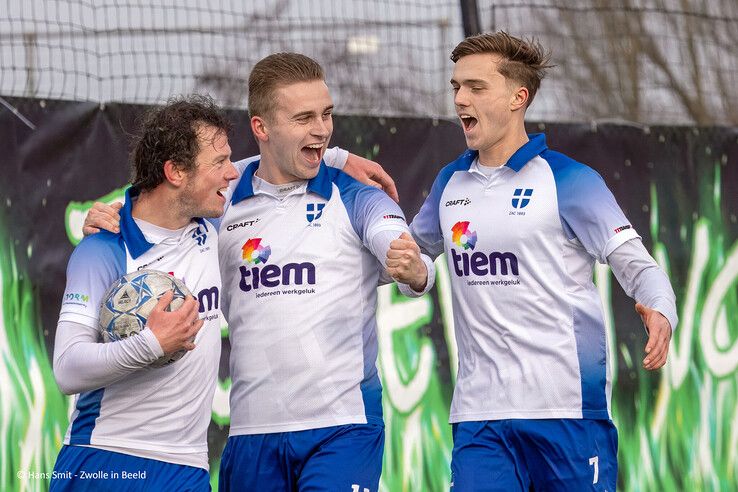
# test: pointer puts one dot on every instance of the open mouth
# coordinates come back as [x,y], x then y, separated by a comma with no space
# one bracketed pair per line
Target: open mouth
[222,192]
[469,122]
[313,152]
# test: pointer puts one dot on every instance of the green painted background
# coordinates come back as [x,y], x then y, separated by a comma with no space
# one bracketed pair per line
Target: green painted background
[678,427]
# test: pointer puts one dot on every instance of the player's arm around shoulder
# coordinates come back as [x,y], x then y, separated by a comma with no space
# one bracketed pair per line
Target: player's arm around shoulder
[363,170]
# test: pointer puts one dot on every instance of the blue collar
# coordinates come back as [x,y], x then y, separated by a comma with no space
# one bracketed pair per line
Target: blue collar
[132,235]
[535,146]
[320,184]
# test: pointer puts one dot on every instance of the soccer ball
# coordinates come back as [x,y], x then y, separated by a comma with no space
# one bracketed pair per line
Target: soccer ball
[129,301]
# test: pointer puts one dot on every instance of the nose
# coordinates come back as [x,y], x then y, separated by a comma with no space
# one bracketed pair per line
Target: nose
[230,173]
[461,97]
[323,127]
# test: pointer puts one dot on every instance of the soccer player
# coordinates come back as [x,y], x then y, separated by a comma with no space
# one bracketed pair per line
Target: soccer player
[522,226]
[301,251]
[137,427]
[302,246]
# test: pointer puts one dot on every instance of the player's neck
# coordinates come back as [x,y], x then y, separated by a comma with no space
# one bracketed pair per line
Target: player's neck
[500,152]
[270,172]
[159,209]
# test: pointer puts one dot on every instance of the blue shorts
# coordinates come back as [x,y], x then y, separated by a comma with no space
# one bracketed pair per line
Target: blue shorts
[80,468]
[344,458]
[551,455]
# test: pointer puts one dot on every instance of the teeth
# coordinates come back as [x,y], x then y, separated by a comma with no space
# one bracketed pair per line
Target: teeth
[465,116]
[315,146]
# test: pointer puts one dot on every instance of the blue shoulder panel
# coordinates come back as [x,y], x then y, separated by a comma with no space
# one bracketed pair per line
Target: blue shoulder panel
[426,226]
[365,204]
[588,210]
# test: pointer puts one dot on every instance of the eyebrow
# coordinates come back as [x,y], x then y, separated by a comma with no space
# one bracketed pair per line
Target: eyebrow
[468,82]
[222,156]
[310,113]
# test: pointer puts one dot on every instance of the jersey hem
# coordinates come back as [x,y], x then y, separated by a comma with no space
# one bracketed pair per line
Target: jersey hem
[530,415]
[114,446]
[242,430]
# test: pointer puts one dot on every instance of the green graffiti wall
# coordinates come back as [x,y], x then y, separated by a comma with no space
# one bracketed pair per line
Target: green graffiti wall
[678,427]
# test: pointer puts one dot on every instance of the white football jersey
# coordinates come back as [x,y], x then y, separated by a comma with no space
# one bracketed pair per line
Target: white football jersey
[161,413]
[521,245]
[299,292]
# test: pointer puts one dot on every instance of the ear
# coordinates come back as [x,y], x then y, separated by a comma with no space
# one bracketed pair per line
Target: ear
[259,129]
[173,173]
[519,99]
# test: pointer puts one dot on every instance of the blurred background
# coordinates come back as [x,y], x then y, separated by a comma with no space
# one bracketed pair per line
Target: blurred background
[655,62]
[644,91]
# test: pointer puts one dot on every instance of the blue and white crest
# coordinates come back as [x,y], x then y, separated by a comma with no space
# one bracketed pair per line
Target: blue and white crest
[314,211]
[200,234]
[521,197]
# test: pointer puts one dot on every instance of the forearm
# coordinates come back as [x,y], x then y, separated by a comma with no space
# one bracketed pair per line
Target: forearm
[82,363]
[643,280]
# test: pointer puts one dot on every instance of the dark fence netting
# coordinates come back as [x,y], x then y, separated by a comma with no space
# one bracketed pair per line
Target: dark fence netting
[653,61]
[678,185]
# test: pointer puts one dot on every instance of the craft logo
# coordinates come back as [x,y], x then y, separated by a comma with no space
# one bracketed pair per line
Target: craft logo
[245,223]
[460,201]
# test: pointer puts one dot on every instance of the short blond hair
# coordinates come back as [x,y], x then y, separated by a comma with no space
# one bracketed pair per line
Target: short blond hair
[275,71]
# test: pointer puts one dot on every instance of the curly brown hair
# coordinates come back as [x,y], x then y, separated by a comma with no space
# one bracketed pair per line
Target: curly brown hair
[524,61]
[172,132]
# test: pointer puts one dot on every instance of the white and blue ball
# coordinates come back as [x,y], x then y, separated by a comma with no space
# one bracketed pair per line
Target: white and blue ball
[129,301]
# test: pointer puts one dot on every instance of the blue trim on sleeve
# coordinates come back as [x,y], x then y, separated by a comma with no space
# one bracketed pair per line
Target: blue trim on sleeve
[97,261]
[566,173]
[364,204]
[88,405]
[426,226]
[587,208]
[535,145]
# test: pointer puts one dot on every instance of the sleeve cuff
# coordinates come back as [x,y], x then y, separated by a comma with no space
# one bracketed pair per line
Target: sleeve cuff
[668,309]
[152,342]
[431,267]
